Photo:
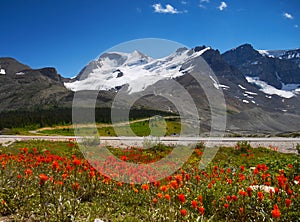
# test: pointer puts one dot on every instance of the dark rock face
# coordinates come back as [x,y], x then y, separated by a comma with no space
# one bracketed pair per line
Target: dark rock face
[12,66]
[274,71]
[220,66]
[25,88]
[199,48]
[119,73]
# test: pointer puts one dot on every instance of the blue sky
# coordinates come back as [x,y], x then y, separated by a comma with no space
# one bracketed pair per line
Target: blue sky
[67,34]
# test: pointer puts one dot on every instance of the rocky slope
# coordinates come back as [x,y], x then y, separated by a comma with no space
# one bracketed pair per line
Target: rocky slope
[23,88]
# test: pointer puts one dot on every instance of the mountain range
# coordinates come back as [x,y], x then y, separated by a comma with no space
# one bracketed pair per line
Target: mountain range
[261,87]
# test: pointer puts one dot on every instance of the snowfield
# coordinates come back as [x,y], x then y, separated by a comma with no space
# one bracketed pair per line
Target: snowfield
[271,90]
[138,71]
[2,72]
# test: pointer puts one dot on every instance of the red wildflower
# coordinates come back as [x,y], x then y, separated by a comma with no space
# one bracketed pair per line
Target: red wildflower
[163,188]
[201,210]
[226,205]
[174,184]
[55,165]
[187,177]
[194,204]
[75,186]
[288,202]
[76,162]
[249,191]
[265,176]
[156,183]
[242,168]
[167,196]
[183,212]
[124,158]
[145,187]
[200,198]
[281,180]
[181,198]
[178,178]
[3,164]
[234,197]
[276,212]
[169,178]
[154,200]
[255,171]
[242,193]
[92,173]
[264,167]
[159,195]
[43,179]
[241,210]
[28,172]
[64,176]
[59,183]
[260,195]
[241,177]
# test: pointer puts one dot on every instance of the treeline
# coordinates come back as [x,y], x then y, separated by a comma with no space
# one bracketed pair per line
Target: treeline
[63,116]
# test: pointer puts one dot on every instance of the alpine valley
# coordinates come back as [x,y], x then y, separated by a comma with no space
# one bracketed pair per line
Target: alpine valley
[261,87]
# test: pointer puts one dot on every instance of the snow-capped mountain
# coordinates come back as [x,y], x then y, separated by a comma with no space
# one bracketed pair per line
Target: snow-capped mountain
[135,70]
[291,55]
[278,72]
[261,88]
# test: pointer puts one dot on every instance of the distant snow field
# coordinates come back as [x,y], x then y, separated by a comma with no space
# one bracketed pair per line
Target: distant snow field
[2,71]
[287,91]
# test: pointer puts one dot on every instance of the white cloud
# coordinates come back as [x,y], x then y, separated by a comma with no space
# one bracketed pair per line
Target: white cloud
[202,3]
[184,2]
[202,6]
[288,15]
[222,6]
[296,26]
[168,9]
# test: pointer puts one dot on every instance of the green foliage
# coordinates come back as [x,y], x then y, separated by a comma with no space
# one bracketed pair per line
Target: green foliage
[139,128]
[63,116]
[242,146]
[75,191]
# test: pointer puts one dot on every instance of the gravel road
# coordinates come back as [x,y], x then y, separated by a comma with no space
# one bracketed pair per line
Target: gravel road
[285,145]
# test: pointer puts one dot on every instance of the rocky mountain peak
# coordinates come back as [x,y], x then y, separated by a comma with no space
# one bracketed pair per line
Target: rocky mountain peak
[277,72]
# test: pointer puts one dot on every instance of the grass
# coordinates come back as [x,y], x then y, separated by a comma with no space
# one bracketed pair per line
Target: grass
[50,181]
[139,128]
